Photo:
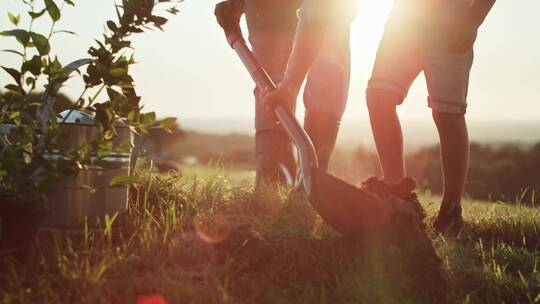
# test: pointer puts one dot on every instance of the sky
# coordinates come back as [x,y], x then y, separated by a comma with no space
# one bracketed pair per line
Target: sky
[189,71]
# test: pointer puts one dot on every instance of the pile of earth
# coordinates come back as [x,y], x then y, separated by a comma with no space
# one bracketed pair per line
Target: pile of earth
[246,253]
[408,231]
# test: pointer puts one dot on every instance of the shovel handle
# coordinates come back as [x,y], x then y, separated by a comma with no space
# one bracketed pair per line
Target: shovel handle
[306,150]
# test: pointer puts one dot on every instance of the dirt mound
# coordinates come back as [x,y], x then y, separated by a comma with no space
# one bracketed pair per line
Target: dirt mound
[250,250]
[407,231]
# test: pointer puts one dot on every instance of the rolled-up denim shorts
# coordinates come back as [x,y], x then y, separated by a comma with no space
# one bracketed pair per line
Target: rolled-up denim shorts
[405,51]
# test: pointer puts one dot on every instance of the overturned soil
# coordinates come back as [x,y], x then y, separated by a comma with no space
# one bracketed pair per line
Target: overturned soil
[244,254]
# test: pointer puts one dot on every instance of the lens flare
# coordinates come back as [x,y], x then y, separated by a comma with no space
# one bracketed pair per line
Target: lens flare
[212,229]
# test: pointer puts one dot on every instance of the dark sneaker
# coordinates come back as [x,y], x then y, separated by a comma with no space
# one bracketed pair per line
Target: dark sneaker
[449,221]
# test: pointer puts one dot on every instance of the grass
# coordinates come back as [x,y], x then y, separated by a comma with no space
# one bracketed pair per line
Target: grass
[206,237]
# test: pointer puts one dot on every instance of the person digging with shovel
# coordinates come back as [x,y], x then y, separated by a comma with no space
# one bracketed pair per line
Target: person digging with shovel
[435,37]
[272,26]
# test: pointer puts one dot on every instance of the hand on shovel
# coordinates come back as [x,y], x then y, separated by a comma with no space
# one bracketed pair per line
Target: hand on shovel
[228,15]
[285,94]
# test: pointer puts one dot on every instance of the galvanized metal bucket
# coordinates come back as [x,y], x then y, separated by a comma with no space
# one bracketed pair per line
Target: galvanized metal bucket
[87,198]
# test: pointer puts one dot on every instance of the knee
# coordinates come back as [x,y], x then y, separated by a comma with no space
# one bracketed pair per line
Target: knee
[442,117]
[382,101]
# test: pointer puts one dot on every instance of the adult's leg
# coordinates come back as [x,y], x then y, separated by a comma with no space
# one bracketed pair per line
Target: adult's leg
[323,129]
[326,91]
[273,155]
[387,133]
[273,149]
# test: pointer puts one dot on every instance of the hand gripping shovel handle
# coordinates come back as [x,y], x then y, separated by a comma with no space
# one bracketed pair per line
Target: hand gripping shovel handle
[306,150]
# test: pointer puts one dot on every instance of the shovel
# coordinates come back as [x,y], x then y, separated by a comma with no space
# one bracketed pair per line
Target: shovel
[349,210]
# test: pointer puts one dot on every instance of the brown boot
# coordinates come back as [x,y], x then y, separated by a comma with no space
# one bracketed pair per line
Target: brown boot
[322,128]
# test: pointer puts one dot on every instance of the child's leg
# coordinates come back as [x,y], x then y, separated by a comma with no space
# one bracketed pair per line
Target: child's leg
[447,76]
[454,155]
[396,66]
[387,133]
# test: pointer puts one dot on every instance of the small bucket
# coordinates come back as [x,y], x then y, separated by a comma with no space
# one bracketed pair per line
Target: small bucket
[86,198]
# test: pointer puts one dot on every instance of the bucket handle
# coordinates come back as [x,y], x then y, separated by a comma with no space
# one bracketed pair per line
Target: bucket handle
[48,98]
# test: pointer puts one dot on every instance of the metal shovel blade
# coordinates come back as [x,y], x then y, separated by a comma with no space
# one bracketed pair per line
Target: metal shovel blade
[349,210]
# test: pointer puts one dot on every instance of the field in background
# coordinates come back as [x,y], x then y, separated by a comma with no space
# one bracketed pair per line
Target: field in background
[497,171]
[418,133]
[206,237]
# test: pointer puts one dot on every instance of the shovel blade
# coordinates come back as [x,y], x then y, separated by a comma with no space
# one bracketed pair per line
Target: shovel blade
[349,210]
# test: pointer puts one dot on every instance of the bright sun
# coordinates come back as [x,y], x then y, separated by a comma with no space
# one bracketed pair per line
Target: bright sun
[369,23]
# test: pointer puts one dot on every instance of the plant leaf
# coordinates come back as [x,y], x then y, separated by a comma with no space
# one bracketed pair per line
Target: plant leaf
[112,26]
[33,65]
[65,32]
[38,14]
[168,123]
[53,10]
[41,42]
[173,10]
[123,180]
[14,88]
[21,35]
[14,73]
[69,2]
[147,119]
[115,72]
[30,80]
[14,19]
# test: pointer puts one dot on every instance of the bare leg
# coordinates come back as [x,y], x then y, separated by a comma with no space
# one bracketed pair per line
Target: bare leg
[323,129]
[454,155]
[386,130]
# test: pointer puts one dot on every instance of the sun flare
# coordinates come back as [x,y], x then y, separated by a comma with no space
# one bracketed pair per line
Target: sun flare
[369,24]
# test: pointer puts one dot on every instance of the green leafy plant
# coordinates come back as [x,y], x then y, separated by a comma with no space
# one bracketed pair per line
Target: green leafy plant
[26,173]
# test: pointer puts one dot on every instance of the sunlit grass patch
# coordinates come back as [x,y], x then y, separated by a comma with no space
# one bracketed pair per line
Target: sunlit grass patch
[496,259]
[204,237]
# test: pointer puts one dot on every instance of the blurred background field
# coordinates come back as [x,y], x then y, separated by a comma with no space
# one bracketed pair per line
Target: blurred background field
[503,167]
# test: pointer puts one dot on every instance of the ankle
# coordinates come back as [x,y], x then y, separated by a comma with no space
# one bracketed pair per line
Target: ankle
[450,206]
[450,200]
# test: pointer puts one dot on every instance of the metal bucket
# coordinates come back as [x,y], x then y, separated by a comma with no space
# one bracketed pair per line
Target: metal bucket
[87,197]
